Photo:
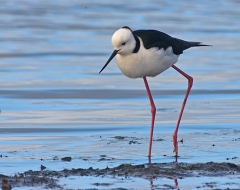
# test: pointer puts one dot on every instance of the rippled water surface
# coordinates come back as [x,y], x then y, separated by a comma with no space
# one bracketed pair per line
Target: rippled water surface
[50,56]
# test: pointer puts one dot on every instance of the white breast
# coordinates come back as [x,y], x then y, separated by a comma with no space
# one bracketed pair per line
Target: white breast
[145,62]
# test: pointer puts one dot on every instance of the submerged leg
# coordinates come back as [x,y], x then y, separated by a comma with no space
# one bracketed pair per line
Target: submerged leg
[153,111]
[190,82]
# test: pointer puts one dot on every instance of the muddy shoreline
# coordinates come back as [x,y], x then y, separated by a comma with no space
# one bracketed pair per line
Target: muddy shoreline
[50,179]
[206,157]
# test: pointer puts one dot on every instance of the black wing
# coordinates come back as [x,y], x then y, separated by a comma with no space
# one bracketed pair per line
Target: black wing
[154,38]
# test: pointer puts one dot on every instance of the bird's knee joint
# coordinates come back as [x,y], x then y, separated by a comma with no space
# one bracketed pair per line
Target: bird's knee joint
[153,110]
[174,136]
[190,81]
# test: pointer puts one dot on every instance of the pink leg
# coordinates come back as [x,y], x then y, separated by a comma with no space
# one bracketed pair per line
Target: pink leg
[176,183]
[190,82]
[153,110]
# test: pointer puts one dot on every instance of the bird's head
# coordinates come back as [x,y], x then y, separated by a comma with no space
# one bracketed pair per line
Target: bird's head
[123,42]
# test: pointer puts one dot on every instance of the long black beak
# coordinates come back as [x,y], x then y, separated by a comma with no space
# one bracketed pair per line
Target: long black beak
[110,58]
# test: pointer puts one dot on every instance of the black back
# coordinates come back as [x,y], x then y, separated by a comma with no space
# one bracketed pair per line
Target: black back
[154,38]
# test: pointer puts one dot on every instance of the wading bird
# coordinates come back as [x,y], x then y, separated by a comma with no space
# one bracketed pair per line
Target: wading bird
[147,53]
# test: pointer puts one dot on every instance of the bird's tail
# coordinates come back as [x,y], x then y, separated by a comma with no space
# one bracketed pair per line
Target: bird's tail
[183,45]
[196,44]
[193,44]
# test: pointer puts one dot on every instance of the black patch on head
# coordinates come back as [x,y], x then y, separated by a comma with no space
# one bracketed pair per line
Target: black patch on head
[137,44]
[137,47]
[127,28]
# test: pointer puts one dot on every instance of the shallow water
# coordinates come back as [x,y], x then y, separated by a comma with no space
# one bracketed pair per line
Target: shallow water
[142,184]
[53,102]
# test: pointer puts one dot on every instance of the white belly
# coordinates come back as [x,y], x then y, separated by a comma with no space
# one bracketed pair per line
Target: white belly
[149,62]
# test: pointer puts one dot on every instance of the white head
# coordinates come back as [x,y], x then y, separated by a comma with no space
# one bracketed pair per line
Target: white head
[123,41]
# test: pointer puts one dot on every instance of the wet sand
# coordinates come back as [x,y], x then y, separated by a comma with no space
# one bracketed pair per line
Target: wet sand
[66,158]
[50,179]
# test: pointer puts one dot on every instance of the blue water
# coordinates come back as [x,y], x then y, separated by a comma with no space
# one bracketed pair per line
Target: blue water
[51,53]
[63,45]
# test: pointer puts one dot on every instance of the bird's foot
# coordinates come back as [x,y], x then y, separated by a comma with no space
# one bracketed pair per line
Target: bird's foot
[175,143]
[149,160]
[176,157]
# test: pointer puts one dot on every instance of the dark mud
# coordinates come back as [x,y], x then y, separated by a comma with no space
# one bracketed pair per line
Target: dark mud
[173,170]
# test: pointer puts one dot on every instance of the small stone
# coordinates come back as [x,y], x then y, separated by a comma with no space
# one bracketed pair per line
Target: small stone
[67,159]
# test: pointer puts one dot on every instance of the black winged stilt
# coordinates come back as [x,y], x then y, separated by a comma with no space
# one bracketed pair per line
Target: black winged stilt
[147,53]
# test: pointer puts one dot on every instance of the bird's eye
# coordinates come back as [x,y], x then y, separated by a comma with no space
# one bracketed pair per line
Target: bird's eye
[123,43]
